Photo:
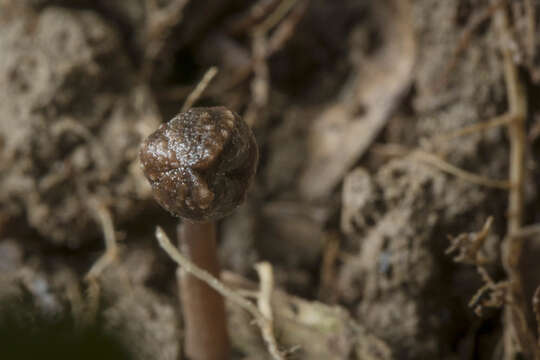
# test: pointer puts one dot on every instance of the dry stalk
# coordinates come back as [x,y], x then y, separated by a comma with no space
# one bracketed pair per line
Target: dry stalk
[286,28]
[481,126]
[469,246]
[528,231]
[458,172]
[266,276]
[441,164]
[275,17]
[264,324]
[190,94]
[253,15]
[104,217]
[517,334]
[492,294]
[199,89]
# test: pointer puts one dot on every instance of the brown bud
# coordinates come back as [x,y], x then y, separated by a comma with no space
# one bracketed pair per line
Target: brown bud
[201,163]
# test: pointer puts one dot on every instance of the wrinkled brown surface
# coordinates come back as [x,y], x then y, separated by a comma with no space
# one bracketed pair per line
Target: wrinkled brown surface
[201,163]
[341,220]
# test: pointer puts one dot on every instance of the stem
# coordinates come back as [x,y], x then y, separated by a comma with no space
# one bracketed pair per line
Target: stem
[202,307]
[265,324]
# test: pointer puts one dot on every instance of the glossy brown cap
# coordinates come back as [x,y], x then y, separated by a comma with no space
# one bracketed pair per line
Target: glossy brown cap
[201,163]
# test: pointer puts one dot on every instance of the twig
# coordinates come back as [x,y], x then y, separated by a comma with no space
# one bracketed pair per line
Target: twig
[266,277]
[492,294]
[199,89]
[273,19]
[516,328]
[527,231]
[441,164]
[111,248]
[458,172]
[286,29]
[469,245]
[103,216]
[261,320]
[246,20]
[482,126]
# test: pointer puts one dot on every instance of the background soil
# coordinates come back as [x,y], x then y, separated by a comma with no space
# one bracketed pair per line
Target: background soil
[337,93]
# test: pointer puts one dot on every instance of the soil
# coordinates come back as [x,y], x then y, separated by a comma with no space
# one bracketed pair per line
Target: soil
[356,195]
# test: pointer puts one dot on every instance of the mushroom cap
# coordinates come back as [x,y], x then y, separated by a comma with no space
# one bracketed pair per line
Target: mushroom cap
[201,163]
